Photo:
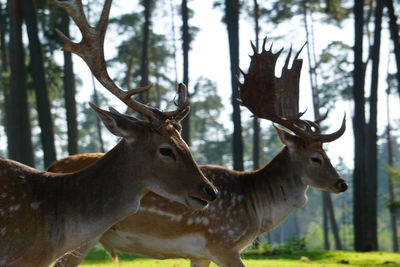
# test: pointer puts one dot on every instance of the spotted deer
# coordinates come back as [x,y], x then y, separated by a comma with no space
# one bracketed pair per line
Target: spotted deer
[249,203]
[44,215]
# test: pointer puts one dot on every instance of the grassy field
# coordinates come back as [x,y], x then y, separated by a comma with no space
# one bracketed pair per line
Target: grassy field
[98,258]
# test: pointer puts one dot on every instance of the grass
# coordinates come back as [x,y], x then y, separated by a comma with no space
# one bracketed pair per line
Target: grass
[99,258]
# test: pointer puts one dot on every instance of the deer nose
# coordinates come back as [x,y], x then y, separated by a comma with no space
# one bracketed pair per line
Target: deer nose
[210,191]
[341,185]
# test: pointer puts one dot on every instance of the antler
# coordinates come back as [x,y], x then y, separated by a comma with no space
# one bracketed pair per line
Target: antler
[91,50]
[277,99]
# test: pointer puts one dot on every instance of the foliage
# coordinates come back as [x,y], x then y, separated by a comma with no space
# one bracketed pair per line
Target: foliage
[129,54]
[335,69]
[334,11]
[211,142]
[394,175]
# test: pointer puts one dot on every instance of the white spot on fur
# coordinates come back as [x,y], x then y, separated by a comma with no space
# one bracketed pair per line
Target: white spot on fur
[35,205]
[3,195]
[220,203]
[197,220]
[172,217]
[240,198]
[189,221]
[2,212]
[230,232]
[3,231]
[205,221]
[14,207]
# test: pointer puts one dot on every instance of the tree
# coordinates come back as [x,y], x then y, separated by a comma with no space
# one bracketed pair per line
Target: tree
[69,91]
[4,66]
[39,81]
[371,146]
[392,209]
[185,51]
[19,129]
[210,139]
[256,124]
[232,22]
[148,8]
[360,206]
[394,34]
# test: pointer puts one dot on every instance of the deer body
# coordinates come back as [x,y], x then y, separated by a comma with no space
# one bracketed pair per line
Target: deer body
[249,204]
[38,226]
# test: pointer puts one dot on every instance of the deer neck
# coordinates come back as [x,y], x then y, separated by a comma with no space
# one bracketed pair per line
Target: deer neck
[278,190]
[87,203]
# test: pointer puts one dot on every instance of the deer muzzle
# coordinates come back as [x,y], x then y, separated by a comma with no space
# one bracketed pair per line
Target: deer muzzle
[341,185]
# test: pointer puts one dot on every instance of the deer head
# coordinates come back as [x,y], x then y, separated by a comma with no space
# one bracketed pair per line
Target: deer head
[277,99]
[173,172]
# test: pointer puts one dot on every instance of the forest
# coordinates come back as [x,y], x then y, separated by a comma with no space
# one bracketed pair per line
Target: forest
[351,64]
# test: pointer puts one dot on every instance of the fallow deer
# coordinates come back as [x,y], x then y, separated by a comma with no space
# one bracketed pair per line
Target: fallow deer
[44,215]
[250,203]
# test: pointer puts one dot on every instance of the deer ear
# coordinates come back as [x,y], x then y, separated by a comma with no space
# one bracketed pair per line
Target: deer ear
[118,124]
[286,138]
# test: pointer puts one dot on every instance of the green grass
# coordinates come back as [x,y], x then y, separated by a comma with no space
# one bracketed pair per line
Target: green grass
[99,258]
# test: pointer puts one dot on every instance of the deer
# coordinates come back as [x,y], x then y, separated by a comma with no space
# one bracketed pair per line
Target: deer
[44,215]
[249,202]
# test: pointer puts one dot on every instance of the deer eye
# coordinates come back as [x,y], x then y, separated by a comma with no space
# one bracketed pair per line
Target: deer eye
[167,152]
[317,159]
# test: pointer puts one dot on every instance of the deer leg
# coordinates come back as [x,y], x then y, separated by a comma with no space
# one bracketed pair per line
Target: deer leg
[75,257]
[199,263]
[229,260]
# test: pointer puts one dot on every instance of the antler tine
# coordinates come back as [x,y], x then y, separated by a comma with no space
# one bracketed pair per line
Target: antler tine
[91,50]
[182,104]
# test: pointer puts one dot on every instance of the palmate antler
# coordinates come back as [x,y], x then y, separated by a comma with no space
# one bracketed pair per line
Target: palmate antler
[277,99]
[91,50]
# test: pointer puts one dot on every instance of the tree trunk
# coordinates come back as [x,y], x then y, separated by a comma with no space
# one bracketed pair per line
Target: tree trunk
[392,210]
[394,35]
[335,230]
[360,208]
[4,69]
[144,67]
[256,123]
[19,139]
[325,225]
[98,123]
[372,153]
[185,50]
[69,92]
[40,83]
[232,21]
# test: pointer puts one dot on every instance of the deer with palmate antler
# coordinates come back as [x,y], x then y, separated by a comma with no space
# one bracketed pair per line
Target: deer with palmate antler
[44,215]
[250,203]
